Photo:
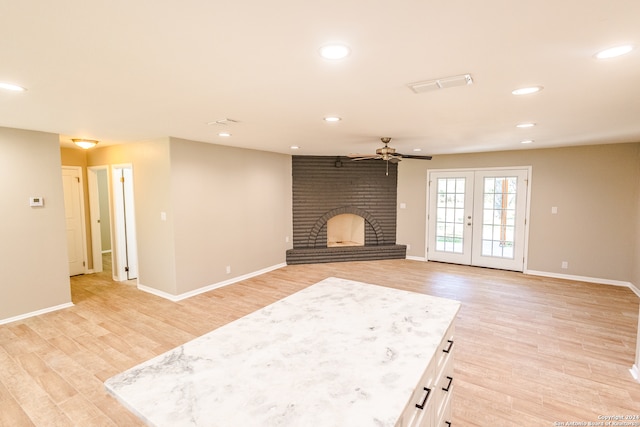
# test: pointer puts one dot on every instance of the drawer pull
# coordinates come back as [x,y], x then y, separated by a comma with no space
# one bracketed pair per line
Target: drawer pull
[448,385]
[448,349]
[424,401]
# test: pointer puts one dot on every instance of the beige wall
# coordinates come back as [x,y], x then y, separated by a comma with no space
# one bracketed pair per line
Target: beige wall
[594,187]
[151,186]
[33,247]
[232,207]
[224,207]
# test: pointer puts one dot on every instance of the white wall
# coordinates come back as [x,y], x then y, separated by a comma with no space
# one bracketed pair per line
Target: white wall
[33,248]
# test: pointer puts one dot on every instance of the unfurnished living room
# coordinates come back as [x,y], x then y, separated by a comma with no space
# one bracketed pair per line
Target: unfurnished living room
[329,214]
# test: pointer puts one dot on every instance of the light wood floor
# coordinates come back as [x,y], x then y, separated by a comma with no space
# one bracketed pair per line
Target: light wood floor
[531,351]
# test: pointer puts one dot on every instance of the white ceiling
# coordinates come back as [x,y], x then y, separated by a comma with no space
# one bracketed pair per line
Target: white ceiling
[123,71]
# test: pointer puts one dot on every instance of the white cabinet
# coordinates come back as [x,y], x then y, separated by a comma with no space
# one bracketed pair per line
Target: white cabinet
[430,403]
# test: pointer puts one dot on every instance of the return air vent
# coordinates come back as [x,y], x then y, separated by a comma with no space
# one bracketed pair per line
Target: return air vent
[441,83]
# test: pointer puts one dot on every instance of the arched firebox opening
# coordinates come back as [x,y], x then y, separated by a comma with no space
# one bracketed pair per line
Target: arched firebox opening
[319,235]
[345,230]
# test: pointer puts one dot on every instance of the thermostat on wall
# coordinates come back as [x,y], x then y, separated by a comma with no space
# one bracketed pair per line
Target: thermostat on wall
[36,201]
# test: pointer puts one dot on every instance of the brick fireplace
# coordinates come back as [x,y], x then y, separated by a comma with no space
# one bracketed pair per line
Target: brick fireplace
[325,188]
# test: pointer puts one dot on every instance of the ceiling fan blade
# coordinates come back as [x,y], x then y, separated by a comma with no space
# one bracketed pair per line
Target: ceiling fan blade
[395,159]
[410,156]
[368,156]
[365,158]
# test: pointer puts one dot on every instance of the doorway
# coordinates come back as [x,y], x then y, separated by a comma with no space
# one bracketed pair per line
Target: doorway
[100,213]
[478,217]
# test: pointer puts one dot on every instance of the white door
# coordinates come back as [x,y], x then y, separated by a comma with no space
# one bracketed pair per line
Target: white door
[478,217]
[74,212]
[126,258]
[450,213]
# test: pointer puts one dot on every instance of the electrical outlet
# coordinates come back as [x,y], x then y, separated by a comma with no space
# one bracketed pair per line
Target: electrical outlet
[228,269]
[565,264]
[286,239]
[408,246]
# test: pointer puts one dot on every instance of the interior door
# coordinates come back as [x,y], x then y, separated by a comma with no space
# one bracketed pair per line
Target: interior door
[126,258]
[478,217]
[73,209]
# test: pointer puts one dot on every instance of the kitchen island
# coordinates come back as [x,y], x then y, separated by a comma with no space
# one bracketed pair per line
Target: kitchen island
[338,353]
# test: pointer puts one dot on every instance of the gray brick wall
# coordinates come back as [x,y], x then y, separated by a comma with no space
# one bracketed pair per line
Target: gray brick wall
[321,190]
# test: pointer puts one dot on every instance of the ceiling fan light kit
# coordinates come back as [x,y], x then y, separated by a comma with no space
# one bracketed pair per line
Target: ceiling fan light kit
[85,143]
[387,154]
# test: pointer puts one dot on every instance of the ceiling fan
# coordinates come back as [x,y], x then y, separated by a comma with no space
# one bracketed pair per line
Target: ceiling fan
[386,153]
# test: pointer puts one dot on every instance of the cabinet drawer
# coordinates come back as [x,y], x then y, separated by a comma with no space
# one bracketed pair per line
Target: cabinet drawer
[446,349]
[430,403]
[443,389]
[421,406]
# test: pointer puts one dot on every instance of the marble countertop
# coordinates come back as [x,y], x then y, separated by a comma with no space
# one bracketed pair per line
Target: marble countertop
[338,353]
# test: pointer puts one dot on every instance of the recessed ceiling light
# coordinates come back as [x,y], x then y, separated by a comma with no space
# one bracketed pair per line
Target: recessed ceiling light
[332,119]
[294,147]
[614,51]
[417,150]
[527,90]
[12,87]
[334,51]
[525,125]
[526,141]
[225,134]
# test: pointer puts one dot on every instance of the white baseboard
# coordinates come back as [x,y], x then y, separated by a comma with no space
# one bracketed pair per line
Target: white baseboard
[585,279]
[36,313]
[635,372]
[176,298]
[416,258]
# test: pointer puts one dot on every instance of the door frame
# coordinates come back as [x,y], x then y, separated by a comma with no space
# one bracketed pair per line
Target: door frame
[83,222]
[527,221]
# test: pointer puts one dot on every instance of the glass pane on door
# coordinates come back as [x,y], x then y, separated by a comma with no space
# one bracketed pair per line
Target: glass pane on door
[450,215]
[499,215]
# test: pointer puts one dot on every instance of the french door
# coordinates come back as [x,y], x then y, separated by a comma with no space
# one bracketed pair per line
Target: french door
[478,217]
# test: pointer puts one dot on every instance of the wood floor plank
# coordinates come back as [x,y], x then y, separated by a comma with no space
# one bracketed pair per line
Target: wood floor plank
[530,351]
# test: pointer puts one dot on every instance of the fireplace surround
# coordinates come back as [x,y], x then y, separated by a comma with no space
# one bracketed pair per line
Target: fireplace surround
[325,187]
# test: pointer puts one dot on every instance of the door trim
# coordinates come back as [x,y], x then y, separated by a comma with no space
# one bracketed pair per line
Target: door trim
[529,170]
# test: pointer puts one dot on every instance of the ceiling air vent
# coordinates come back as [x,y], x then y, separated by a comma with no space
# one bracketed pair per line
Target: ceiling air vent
[225,121]
[441,83]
